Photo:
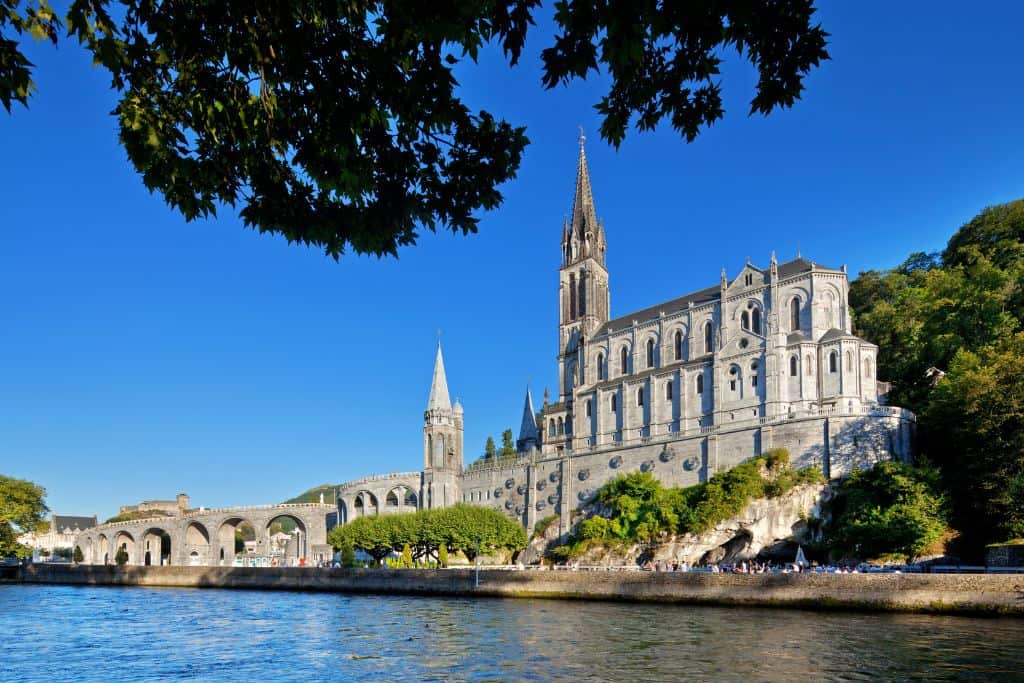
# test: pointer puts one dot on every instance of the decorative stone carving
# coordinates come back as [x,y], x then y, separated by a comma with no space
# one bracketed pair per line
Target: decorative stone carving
[691,463]
[509,483]
[667,454]
[647,466]
[583,475]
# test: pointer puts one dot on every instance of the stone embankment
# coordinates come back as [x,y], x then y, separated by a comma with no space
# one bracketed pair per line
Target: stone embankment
[939,593]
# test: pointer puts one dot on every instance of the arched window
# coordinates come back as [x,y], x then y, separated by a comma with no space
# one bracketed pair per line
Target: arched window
[707,337]
[588,407]
[755,320]
[830,310]
[753,373]
[551,427]
[745,320]
[572,296]
[700,384]
[624,360]
[600,366]
[792,366]
[650,353]
[679,345]
[615,402]
[833,361]
[668,390]
[794,314]
[810,364]
[640,396]
[583,295]
[561,426]
[867,367]
[734,374]
[849,362]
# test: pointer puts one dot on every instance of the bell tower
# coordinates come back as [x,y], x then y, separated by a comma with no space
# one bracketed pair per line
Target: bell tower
[583,300]
[442,442]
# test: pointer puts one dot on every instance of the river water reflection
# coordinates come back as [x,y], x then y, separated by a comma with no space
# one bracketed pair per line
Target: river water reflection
[140,634]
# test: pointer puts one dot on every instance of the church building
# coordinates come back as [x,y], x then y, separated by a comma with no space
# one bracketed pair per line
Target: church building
[682,389]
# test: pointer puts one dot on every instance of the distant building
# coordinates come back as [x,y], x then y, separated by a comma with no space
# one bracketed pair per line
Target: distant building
[171,508]
[61,534]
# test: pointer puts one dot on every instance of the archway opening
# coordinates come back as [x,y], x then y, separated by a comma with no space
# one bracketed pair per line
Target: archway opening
[197,544]
[237,540]
[289,544]
[156,547]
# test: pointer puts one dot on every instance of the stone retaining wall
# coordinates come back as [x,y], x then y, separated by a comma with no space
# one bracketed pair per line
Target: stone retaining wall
[947,593]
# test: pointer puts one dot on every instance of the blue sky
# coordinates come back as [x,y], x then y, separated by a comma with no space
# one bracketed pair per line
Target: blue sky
[142,356]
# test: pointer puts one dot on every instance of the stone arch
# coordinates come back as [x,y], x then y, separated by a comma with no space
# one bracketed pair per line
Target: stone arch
[365,503]
[103,554]
[231,537]
[677,337]
[123,540]
[291,525]
[157,547]
[651,351]
[197,544]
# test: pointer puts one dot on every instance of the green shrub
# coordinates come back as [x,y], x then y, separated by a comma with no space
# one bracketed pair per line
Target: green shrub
[442,555]
[121,557]
[542,526]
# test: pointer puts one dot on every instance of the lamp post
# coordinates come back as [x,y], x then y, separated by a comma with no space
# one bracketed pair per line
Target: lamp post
[477,582]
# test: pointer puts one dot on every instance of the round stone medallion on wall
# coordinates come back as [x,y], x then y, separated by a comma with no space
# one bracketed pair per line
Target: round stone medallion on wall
[508,505]
[520,510]
[521,489]
[541,484]
[540,505]
[616,462]
[647,466]
[554,477]
[584,495]
[583,475]
[509,483]
[667,454]
[553,498]
[497,493]
[691,463]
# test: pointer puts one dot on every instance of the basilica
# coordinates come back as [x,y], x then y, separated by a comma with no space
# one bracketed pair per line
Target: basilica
[682,389]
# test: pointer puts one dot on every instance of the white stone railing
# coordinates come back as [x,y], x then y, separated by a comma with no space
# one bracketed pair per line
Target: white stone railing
[380,477]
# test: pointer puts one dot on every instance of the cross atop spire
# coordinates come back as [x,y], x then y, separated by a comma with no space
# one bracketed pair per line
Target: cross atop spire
[439,399]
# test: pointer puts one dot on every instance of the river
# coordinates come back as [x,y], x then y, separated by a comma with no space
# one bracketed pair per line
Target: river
[52,633]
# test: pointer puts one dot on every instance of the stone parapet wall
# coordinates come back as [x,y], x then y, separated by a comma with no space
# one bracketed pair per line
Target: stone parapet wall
[941,593]
[1005,555]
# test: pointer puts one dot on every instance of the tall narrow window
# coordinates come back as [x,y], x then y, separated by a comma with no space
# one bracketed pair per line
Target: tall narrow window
[561,426]
[640,396]
[833,361]
[745,320]
[650,353]
[600,366]
[755,321]
[572,296]
[700,384]
[679,345]
[582,303]
[794,314]
[792,366]
[707,337]
[867,367]
[668,390]
[849,362]
[615,402]
[810,364]
[588,407]
[624,360]
[551,428]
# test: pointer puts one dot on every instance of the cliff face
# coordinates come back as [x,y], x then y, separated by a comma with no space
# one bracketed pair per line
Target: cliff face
[767,527]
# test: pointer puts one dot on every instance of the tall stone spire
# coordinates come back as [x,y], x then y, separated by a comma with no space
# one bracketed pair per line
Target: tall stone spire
[584,216]
[439,399]
[528,437]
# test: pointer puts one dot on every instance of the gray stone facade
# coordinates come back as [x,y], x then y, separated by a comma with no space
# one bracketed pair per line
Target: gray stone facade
[683,389]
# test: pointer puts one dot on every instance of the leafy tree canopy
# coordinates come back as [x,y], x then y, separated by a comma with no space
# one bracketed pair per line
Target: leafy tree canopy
[892,508]
[961,313]
[341,125]
[22,508]
[458,528]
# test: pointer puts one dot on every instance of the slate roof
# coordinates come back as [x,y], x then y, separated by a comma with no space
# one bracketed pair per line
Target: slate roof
[834,334]
[73,522]
[528,426]
[439,398]
[788,269]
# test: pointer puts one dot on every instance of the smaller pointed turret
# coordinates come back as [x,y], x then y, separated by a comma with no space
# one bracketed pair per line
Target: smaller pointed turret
[529,438]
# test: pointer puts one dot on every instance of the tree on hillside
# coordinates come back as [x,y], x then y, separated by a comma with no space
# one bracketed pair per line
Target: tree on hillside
[22,508]
[340,125]
[489,449]
[508,446]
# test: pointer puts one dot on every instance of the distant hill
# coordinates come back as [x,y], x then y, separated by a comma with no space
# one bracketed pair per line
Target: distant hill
[137,514]
[313,494]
